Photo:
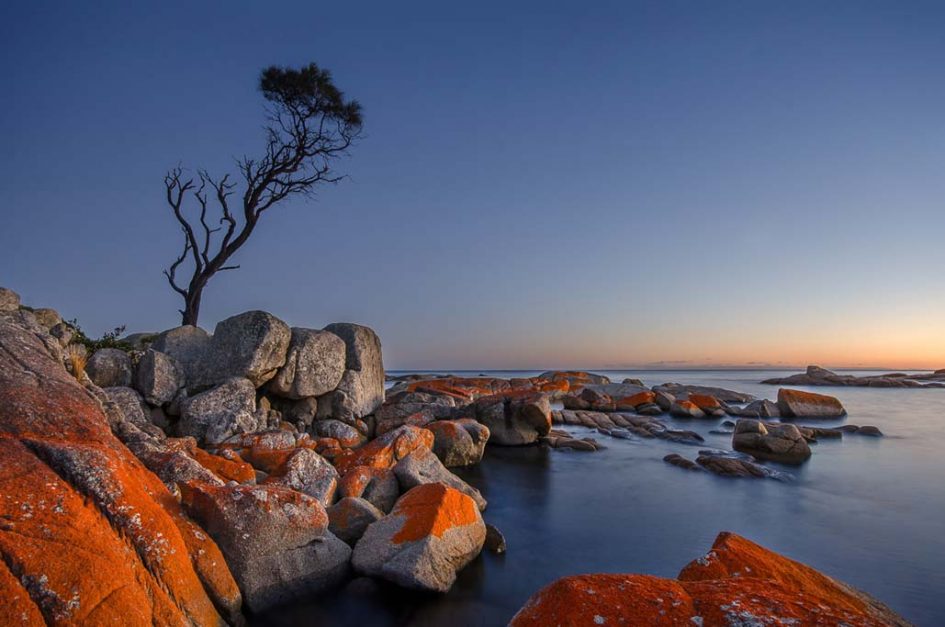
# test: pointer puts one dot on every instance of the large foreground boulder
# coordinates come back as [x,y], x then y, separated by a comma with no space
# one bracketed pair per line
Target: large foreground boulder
[799,404]
[252,345]
[314,365]
[275,540]
[737,583]
[361,389]
[432,533]
[781,443]
[94,536]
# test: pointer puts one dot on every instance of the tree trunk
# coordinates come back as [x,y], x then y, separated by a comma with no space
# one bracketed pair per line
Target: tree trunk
[192,306]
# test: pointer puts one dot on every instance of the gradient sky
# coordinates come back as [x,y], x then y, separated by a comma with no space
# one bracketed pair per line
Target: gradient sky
[675,183]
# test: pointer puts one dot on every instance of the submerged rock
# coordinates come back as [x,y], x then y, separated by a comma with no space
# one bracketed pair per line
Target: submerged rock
[431,534]
[495,541]
[737,583]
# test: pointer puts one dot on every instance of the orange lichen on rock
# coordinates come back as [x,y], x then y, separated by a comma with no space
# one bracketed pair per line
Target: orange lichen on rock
[227,469]
[386,450]
[635,400]
[230,468]
[432,509]
[737,583]
[608,600]
[92,536]
[463,388]
[704,402]
[733,556]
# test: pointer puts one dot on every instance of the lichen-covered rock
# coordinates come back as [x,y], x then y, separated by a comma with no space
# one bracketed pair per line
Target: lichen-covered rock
[187,345]
[110,367]
[609,599]
[459,442]
[346,435]
[309,473]
[799,404]
[314,365]
[252,345]
[685,409]
[631,402]
[422,466]
[96,538]
[782,443]
[386,450]
[768,585]
[275,540]
[575,378]
[513,418]
[219,413]
[361,389]
[158,377]
[389,417]
[708,404]
[737,583]
[431,534]
[682,392]
[350,517]
[378,486]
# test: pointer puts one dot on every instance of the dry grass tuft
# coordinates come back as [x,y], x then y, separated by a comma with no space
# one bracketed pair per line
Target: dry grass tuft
[76,357]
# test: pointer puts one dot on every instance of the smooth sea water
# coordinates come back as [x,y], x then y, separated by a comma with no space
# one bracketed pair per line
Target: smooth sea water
[869,511]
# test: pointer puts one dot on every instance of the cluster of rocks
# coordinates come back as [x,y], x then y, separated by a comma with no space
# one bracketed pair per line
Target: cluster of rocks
[815,375]
[263,463]
[737,582]
[264,440]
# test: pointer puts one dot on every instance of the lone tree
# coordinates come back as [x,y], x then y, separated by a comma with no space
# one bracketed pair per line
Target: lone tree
[309,125]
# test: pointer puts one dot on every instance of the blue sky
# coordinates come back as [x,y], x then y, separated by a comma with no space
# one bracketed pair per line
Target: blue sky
[538,186]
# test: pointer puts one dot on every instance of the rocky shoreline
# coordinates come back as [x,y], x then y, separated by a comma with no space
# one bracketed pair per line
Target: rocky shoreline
[815,375]
[199,478]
